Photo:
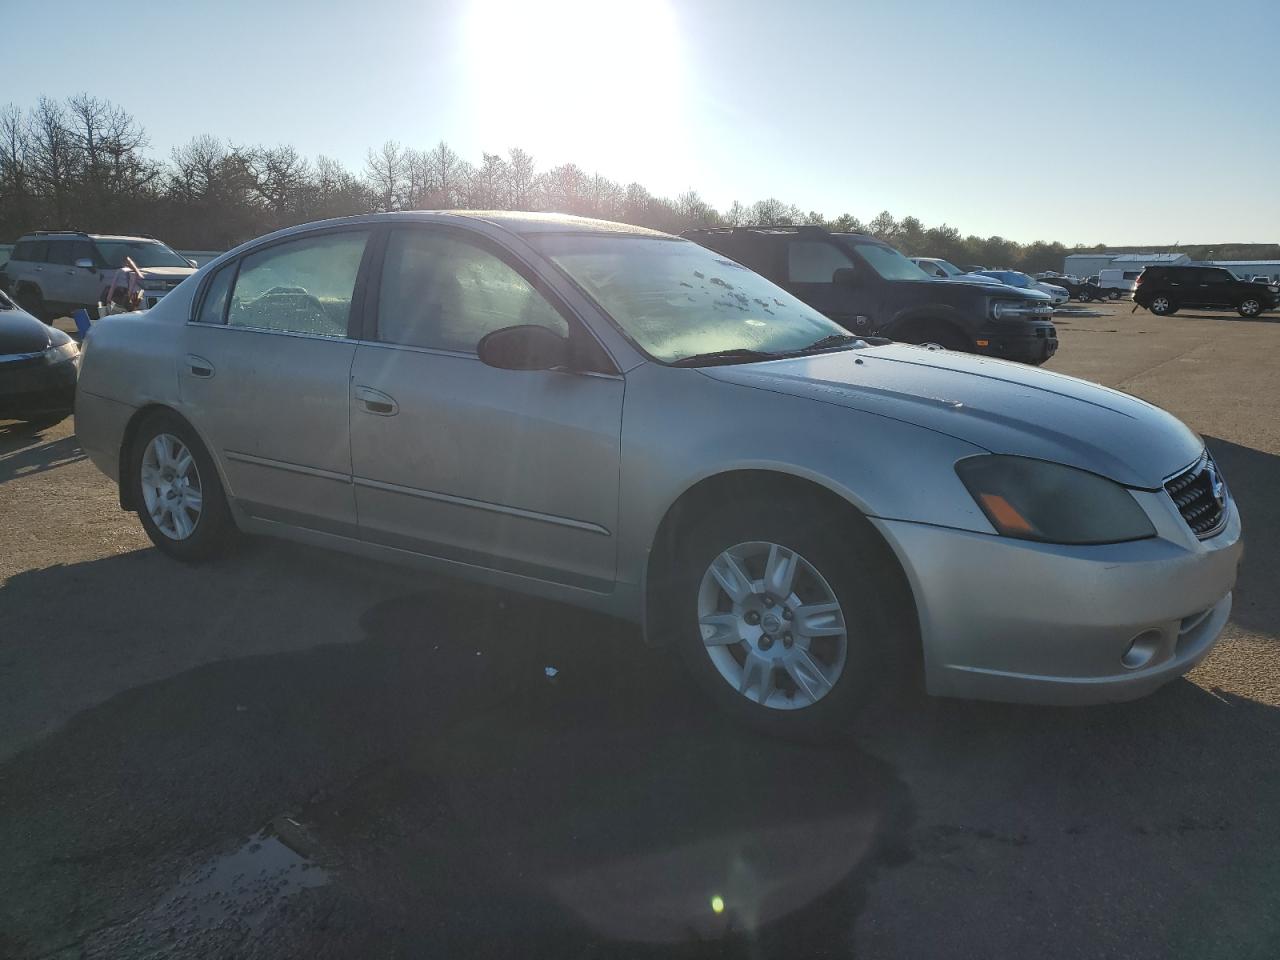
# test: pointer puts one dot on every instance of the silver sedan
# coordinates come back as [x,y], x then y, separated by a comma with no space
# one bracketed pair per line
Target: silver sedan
[623,420]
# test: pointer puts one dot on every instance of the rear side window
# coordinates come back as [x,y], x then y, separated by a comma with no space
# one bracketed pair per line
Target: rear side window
[60,252]
[213,309]
[812,261]
[33,250]
[446,294]
[301,286]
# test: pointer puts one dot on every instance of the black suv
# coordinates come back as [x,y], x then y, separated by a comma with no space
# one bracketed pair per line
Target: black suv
[870,288]
[1163,290]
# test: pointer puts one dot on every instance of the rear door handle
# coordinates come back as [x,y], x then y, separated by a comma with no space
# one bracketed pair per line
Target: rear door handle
[377,402]
[199,366]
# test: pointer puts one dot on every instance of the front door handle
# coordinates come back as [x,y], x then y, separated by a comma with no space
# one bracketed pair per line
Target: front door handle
[377,402]
[199,367]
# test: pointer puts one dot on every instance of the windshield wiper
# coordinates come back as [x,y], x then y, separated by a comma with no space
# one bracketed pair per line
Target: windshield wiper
[736,355]
[827,342]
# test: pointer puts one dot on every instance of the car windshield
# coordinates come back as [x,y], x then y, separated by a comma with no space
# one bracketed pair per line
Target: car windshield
[949,268]
[886,261]
[677,300]
[144,253]
[1011,277]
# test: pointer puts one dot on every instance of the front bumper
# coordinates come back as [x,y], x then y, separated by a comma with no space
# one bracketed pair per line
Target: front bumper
[37,389]
[1013,620]
[1032,343]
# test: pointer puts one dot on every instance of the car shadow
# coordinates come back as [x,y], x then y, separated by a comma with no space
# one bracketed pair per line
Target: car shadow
[1253,478]
[479,770]
[1225,314]
[24,452]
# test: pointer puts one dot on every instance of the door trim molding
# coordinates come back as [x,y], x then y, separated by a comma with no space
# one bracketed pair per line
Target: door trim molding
[287,466]
[483,505]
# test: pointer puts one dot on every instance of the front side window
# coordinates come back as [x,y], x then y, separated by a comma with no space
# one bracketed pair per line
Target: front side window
[1216,276]
[300,286]
[886,261]
[814,261]
[678,300]
[60,252]
[444,293]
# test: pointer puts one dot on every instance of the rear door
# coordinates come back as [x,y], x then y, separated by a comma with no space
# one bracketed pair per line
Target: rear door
[515,470]
[265,377]
[58,275]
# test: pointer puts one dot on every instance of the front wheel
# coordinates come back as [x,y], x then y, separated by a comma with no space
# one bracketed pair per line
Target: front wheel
[177,491]
[784,618]
[939,336]
[1249,308]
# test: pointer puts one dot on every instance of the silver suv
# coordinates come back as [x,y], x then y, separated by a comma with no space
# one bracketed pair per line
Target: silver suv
[53,272]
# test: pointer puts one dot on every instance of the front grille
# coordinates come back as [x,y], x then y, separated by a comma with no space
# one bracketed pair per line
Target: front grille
[1200,495]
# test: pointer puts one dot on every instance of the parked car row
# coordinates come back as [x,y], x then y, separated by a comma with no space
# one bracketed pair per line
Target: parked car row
[636,423]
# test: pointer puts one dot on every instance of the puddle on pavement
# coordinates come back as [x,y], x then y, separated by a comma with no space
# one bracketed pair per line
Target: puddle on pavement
[240,887]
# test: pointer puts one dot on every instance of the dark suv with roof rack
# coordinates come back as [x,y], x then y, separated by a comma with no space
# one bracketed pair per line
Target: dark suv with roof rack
[870,288]
[1165,290]
[52,272]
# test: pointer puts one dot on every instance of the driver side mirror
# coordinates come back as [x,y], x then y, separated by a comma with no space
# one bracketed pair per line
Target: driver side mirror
[524,347]
[845,277]
[84,263]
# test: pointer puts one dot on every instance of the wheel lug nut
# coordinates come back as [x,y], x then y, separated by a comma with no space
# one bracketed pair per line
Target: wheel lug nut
[766,642]
[786,613]
[787,640]
[752,617]
[768,601]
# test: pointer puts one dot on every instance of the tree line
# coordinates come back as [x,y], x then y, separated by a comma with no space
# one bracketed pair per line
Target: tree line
[84,163]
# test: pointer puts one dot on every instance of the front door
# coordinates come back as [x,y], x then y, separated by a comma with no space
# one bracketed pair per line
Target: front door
[811,267]
[265,378]
[1216,288]
[515,470]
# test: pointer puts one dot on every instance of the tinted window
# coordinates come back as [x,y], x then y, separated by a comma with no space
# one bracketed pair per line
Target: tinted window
[1215,276]
[813,261]
[213,309]
[21,251]
[60,252]
[445,293]
[887,262]
[303,286]
[31,250]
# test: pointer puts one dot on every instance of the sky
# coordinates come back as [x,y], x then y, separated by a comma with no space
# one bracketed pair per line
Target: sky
[1084,122]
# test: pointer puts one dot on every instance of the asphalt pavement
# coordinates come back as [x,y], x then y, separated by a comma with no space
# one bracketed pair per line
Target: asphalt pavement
[290,753]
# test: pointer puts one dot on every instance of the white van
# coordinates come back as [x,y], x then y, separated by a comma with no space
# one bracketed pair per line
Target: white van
[1118,283]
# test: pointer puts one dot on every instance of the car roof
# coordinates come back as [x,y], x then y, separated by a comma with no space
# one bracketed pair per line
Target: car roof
[524,222]
[59,234]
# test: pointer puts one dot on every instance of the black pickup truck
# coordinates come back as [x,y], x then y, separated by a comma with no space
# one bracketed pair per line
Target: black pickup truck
[870,288]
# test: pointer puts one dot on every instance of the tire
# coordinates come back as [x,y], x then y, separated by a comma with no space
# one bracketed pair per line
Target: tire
[31,300]
[162,490]
[1162,305]
[1249,307]
[845,674]
[1113,294]
[939,335]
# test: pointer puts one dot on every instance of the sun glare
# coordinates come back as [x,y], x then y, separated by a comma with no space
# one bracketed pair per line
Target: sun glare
[598,83]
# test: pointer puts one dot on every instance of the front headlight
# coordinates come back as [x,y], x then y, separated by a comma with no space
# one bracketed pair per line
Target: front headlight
[1019,309]
[65,351]
[1038,500]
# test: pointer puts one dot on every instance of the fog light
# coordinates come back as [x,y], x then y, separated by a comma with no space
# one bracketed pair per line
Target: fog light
[1142,649]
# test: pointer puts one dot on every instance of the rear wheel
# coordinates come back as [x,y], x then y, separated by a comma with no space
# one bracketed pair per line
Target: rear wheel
[1113,294]
[31,300]
[1249,307]
[1162,306]
[784,619]
[178,494]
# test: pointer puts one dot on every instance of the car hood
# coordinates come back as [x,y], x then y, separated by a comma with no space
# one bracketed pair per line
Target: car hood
[167,273]
[20,332]
[1001,406]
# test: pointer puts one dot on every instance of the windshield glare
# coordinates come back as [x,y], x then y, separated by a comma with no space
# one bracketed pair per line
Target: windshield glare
[886,261]
[676,299]
[144,253]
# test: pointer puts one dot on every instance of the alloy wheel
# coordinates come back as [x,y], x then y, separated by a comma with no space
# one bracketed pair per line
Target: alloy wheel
[1160,305]
[171,488]
[772,625]
[1250,308]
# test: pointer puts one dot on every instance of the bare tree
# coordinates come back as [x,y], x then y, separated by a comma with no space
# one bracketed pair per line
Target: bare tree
[521,174]
[388,171]
[17,197]
[54,157]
